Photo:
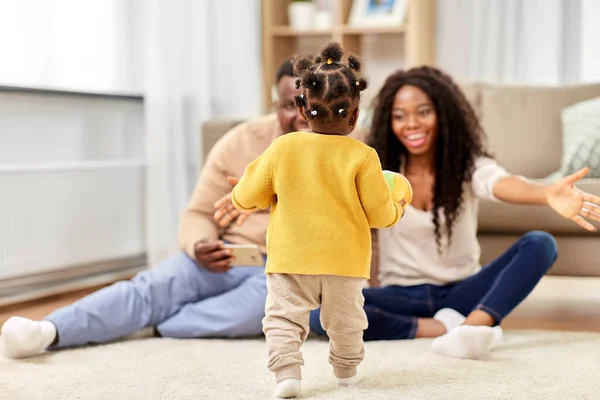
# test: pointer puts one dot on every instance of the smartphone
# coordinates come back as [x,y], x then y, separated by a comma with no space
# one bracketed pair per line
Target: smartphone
[246,255]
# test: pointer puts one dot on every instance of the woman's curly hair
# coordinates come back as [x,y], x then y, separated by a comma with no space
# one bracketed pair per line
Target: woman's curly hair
[460,138]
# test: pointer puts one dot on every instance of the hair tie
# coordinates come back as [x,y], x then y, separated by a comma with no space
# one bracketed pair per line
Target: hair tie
[329,61]
[313,112]
[357,83]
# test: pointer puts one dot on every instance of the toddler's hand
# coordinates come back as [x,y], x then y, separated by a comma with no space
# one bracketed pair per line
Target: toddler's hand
[400,188]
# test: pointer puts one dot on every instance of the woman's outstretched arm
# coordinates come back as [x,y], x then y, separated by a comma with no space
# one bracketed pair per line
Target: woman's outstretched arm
[564,198]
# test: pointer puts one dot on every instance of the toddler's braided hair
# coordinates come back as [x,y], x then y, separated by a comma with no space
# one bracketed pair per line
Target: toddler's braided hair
[329,87]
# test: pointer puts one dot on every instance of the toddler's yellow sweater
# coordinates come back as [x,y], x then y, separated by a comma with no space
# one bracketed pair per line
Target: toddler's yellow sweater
[325,193]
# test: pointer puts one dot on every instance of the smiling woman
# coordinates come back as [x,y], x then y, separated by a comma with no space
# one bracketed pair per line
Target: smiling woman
[419,118]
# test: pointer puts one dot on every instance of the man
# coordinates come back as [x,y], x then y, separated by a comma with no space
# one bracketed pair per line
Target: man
[195,293]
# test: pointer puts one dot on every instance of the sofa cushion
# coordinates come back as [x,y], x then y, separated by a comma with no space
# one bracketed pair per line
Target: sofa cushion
[581,138]
[577,256]
[523,124]
[472,91]
[212,131]
[516,219]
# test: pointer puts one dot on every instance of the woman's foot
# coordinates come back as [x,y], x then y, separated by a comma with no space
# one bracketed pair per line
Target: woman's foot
[23,337]
[466,341]
[288,388]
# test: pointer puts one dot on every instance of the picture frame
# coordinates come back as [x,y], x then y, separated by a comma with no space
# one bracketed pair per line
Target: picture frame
[378,13]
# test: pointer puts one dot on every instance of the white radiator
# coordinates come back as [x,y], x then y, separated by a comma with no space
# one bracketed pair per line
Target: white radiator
[71,189]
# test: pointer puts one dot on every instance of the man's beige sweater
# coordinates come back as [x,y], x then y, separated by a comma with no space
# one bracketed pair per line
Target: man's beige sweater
[229,157]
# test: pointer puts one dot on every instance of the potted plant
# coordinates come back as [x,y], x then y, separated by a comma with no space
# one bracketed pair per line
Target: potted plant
[300,14]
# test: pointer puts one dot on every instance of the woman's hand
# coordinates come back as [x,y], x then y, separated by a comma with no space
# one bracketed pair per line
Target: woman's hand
[572,203]
[226,212]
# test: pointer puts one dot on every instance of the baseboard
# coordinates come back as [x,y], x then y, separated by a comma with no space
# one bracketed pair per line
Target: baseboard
[37,290]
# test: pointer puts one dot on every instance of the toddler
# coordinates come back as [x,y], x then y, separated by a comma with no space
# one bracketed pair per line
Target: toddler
[325,191]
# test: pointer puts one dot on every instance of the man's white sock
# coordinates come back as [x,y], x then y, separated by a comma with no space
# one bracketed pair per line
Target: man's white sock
[450,318]
[23,337]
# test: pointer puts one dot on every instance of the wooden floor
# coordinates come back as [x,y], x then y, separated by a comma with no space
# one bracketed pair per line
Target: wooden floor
[38,309]
[577,325]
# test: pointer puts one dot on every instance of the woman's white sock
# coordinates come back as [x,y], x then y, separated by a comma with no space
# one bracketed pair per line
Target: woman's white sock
[450,318]
[466,341]
[498,336]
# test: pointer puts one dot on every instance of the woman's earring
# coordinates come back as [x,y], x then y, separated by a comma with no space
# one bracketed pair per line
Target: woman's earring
[351,122]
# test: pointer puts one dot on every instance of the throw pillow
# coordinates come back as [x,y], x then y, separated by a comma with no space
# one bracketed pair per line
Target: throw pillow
[581,139]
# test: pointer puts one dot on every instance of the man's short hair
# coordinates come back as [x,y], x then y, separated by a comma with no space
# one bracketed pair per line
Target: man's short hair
[285,69]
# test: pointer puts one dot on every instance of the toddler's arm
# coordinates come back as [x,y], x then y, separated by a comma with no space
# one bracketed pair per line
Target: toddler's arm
[255,188]
[374,194]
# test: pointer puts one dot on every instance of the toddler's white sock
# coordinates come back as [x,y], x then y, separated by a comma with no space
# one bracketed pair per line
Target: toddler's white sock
[288,388]
[353,380]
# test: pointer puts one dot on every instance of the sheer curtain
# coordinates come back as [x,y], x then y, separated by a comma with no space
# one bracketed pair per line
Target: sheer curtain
[83,154]
[543,42]
[201,60]
[191,59]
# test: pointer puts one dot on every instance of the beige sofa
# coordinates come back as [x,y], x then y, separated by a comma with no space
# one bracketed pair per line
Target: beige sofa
[524,133]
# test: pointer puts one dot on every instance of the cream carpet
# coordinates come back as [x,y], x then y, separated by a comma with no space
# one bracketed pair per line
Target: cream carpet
[531,365]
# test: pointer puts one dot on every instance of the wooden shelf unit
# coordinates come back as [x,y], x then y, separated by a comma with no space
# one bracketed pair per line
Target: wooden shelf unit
[287,31]
[280,41]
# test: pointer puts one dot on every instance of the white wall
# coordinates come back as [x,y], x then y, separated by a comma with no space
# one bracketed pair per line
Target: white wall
[193,60]
[71,181]
[49,129]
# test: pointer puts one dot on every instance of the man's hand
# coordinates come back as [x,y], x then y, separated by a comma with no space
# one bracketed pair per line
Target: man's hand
[212,256]
[226,212]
